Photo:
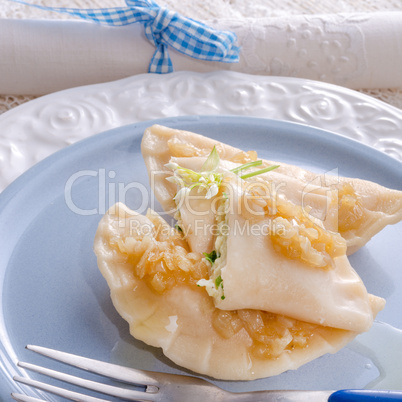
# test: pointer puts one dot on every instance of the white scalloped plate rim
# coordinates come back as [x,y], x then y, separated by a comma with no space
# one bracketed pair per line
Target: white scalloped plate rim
[38,128]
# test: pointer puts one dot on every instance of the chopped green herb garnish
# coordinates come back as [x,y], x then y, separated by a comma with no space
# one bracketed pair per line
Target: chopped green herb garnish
[218,282]
[212,161]
[178,228]
[208,179]
[257,172]
[212,256]
[246,166]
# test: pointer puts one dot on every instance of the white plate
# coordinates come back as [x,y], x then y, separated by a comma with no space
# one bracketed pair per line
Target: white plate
[38,128]
[53,294]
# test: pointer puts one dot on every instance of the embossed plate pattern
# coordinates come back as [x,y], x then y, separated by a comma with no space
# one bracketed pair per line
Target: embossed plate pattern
[38,128]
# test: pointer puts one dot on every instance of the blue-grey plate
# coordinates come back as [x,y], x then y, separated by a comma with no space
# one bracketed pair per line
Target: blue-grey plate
[52,293]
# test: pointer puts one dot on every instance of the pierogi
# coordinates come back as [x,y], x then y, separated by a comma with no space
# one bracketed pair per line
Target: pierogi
[364,207]
[153,275]
[255,275]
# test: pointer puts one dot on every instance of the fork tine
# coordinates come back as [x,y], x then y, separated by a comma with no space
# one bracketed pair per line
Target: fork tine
[75,396]
[126,374]
[25,398]
[127,394]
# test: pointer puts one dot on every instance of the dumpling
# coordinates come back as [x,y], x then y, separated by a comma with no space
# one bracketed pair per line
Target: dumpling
[286,263]
[153,275]
[198,212]
[364,207]
[269,254]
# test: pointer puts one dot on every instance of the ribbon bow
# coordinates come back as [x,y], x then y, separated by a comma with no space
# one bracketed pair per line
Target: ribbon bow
[163,28]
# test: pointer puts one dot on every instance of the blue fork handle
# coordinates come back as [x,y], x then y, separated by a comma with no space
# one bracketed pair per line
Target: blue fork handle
[363,395]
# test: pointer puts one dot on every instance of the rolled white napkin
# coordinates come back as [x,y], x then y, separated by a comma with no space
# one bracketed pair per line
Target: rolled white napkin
[352,50]
[355,51]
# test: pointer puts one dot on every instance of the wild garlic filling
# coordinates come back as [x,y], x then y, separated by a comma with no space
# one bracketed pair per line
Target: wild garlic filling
[214,285]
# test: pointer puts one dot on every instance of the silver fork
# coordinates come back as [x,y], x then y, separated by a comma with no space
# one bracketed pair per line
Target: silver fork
[157,387]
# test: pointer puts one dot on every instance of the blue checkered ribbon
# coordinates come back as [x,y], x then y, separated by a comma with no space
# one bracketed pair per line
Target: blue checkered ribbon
[163,28]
